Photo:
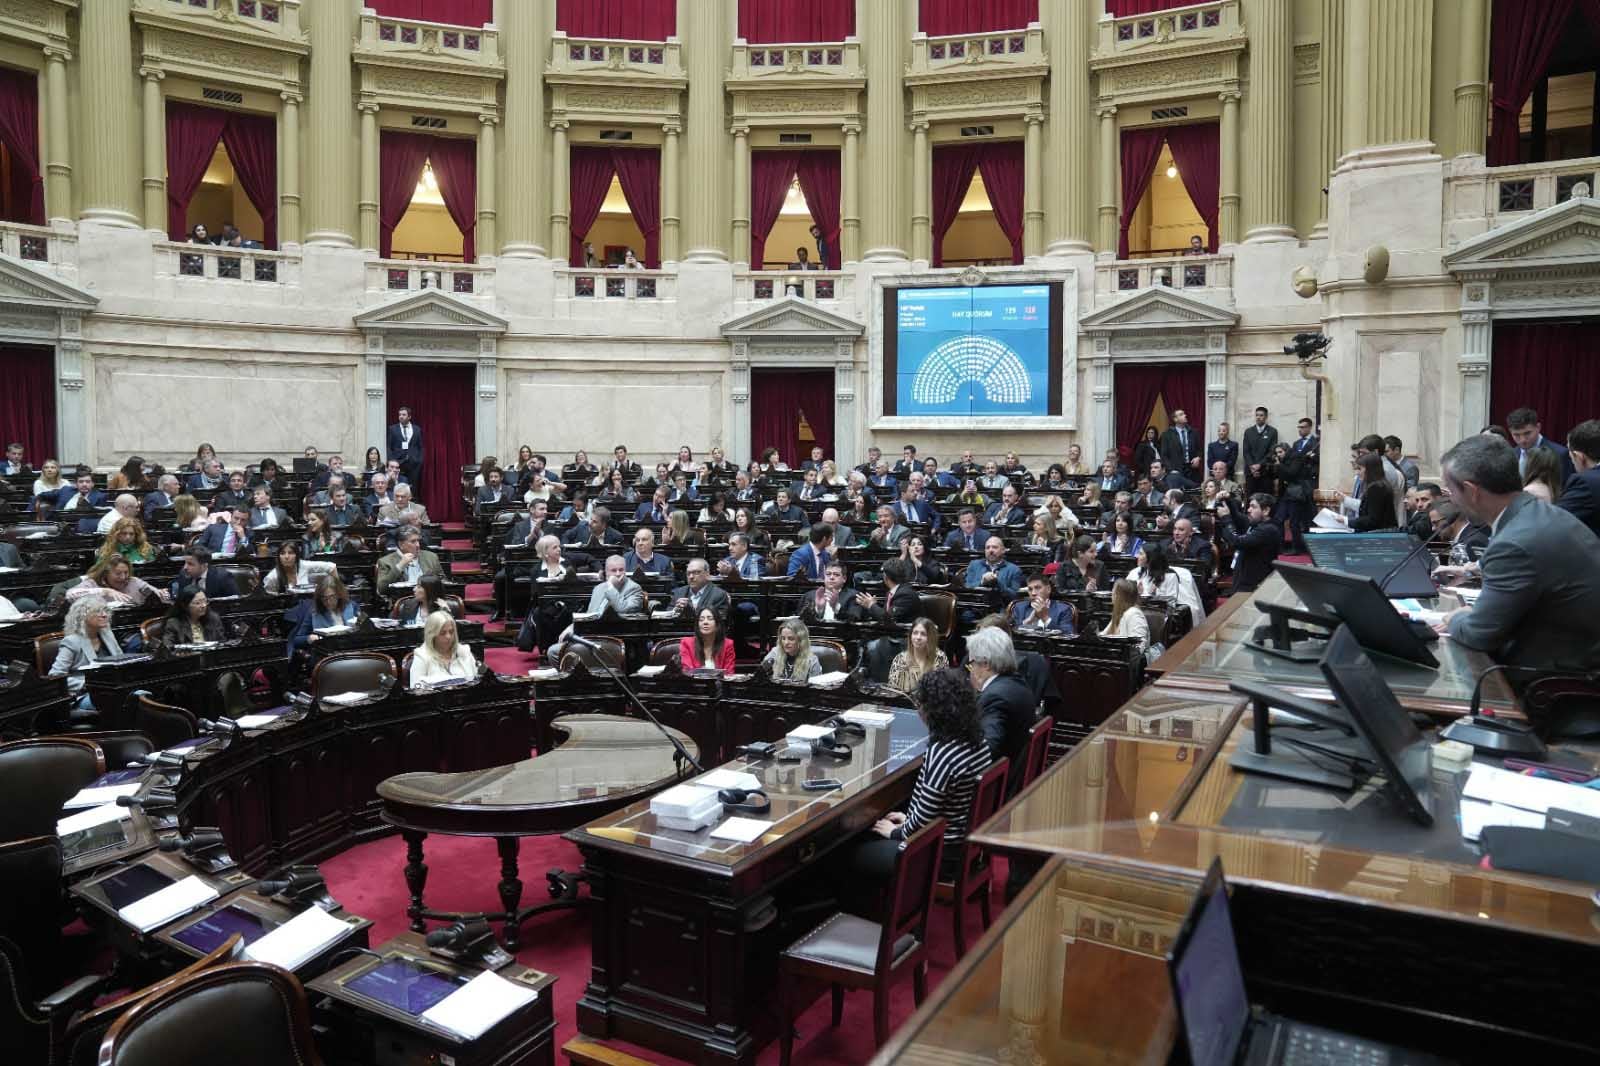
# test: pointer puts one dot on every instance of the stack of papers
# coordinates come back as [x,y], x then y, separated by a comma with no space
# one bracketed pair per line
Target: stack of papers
[93,796]
[1328,521]
[256,721]
[648,671]
[832,679]
[727,779]
[544,674]
[77,823]
[299,940]
[809,732]
[870,719]
[1500,797]
[475,1007]
[162,906]
[346,699]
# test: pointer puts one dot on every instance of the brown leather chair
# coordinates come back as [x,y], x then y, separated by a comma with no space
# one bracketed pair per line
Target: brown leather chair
[831,656]
[405,669]
[1157,618]
[940,608]
[453,604]
[120,746]
[976,873]
[851,952]
[26,1027]
[614,651]
[241,1013]
[164,723]
[1033,756]
[37,776]
[150,630]
[664,652]
[45,647]
[356,671]
[231,695]
[245,578]
[30,869]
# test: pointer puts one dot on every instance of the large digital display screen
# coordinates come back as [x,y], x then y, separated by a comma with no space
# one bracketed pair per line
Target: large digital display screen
[973,350]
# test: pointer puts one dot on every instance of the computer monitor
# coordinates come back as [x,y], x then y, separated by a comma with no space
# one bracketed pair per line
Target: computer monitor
[304,464]
[1357,602]
[1207,979]
[1377,555]
[1401,751]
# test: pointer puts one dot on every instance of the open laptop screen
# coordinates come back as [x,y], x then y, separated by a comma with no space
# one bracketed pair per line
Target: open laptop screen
[1207,981]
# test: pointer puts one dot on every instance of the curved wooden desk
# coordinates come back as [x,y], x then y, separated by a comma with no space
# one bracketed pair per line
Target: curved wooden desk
[604,762]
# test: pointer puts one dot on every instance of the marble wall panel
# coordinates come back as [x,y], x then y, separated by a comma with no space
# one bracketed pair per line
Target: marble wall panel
[558,411]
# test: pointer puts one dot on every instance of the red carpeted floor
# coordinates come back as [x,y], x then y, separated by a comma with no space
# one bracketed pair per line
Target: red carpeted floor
[463,873]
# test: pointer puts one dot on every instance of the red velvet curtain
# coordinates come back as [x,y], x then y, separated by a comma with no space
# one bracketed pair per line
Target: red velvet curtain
[630,20]
[770,175]
[1182,387]
[452,12]
[639,173]
[192,136]
[820,182]
[19,131]
[781,22]
[939,18]
[1000,163]
[1522,36]
[1140,150]
[252,144]
[778,399]
[1197,151]
[1123,8]
[953,167]
[440,396]
[28,402]
[455,168]
[589,176]
[1548,366]
[400,159]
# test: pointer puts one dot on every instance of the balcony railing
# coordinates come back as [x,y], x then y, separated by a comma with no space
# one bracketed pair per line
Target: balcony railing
[278,17]
[580,56]
[820,60]
[644,286]
[1022,47]
[415,275]
[220,263]
[1503,194]
[1179,26]
[757,285]
[474,45]
[1201,275]
[40,246]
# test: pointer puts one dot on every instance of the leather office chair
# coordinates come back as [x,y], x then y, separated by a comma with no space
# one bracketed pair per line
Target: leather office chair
[940,608]
[119,746]
[615,653]
[1033,756]
[1157,618]
[356,671]
[45,647]
[851,952]
[150,629]
[831,656]
[241,1013]
[976,872]
[664,652]
[245,578]
[26,1025]
[37,776]
[405,669]
[30,868]
[231,695]
[164,723]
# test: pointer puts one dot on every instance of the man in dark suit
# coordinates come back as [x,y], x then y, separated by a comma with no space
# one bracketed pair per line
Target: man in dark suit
[1298,472]
[197,569]
[700,591]
[1186,545]
[1006,709]
[968,534]
[594,534]
[1007,511]
[912,509]
[13,465]
[907,465]
[1164,479]
[405,445]
[656,509]
[265,516]
[210,477]
[1147,495]
[234,493]
[1040,612]
[1259,440]
[1180,446]
[341,510]
[1110,479]
[811,558]
[1257,543]
[874,456]
[1533,612]
[1581,493]
[643,555]
[784,510]
[836,601]
[494,491]
[1527,434]
[815,462]
[230,538]
[165,492]
[619,461]
[81,494]
[1223,450]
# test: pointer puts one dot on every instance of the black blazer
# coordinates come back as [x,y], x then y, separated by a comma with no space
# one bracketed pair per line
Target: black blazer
[400,453]
[1070,581]
[1006,710]
[176,630]
[1257,545]
[1377,508]
[1581,496]
[218,583]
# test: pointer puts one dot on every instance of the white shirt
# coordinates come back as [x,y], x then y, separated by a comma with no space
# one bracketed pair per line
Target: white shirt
[1133,624]
[426,671]
[405,434]
[108,520]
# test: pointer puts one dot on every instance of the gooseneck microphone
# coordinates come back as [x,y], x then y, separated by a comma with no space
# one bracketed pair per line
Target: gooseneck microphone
[680,752]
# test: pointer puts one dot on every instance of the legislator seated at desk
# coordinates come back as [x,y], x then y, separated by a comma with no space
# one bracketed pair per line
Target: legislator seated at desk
[1040,611]
[86,639]
[1006,707]
[441,657]
[707,648]
[791,657]
[594,535]
[994,571]
[330,607]
[644,557]
[968,534]
[112,579]
[699,591]
[197,570]
[191,621]
[409,561]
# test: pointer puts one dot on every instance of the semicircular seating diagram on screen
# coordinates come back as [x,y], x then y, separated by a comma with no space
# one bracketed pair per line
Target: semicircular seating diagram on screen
[988,362]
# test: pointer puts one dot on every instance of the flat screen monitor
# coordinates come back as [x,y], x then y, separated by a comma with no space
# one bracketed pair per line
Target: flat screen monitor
[1207,978]
[133,884]
[405,985]
[1356,601]
[209,933]
[1376,555]
[1402,752]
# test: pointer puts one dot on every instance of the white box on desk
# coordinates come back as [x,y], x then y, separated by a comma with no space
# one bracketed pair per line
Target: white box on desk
[688,807]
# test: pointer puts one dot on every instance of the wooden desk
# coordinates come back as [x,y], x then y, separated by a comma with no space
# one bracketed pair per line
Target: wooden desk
[687,930]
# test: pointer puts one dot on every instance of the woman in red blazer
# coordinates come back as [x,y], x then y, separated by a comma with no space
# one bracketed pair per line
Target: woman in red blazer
[708,648]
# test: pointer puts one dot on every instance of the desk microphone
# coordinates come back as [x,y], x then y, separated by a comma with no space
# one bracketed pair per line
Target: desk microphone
[155,797]
[197,840]
[223,727]
[158,758]
[679,751]
[1383,582]
[458,934]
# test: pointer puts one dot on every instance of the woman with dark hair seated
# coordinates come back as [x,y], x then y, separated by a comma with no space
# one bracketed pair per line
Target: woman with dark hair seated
[709,648]
[1377,498]
[426,597]
[267,474]
[190,620]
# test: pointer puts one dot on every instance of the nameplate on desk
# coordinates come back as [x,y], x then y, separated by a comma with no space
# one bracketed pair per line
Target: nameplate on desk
[174,901]
[477,1006]
[299,940]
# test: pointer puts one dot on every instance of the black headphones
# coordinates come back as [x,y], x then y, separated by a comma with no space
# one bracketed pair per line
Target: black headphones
[745,800]
[843,727]
[830,748]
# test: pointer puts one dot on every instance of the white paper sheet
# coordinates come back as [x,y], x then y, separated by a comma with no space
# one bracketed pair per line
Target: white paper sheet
[727,779]
[474,1008]
[832,679]
[162,906]
[809,732]
[346,699]
[744,830]
[1476,816]
[544,674]
[1494,785]
[297,941]
[256,721]
[870,719]
[75,823]
[1329,520]
[649,671]
[95,797]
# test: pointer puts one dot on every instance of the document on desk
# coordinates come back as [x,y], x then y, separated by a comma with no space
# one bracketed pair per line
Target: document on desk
[743,830]
[809,732]
[1414,610]
[727,779]
[256,721]
[77,823]
[162,906]
[1476,816]
[346,699]
[94,797]
[299,940]
[1328,521]
[1494,785]
[649,671]
[475,1007]
[832,679]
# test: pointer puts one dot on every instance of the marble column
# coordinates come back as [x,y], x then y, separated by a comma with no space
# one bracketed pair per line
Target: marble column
[1033,187]
[1399,89]
[58,156]
[367,206]
[1477,350]
[1026,980]
[1331,96]
[921,194]
[705,27]
[155,151]
[525,30]
[1228,179]
[1110,173]
[671,211]
[1069,181]
[106,88]
[1268,200]
[1471,71]
[329,219]
[741,199]
[884,33]
[1357,24]
[488,204]
[850,196]
[289,170]
[560,193]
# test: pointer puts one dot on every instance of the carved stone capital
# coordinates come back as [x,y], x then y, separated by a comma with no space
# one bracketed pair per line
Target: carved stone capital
[292,96]
[1106,111]
[150,73]
[851,129]
[672,129]
[1230,96]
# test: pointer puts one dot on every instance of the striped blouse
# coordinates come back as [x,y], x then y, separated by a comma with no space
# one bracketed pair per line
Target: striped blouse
[944,788]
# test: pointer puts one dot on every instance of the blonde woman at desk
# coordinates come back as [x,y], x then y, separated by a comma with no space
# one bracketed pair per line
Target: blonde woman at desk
[441,657]
[791,658]
[1127,618]
[920,658]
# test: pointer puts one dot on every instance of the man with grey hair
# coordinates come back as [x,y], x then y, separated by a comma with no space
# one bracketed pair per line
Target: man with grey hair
[408,562]
[124,506]
[699,591]
[166,491]
[618,591]
[1541,571]
[403,511]
[1006,709]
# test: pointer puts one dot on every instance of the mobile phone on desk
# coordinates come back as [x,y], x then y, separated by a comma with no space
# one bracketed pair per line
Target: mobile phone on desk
[821,784]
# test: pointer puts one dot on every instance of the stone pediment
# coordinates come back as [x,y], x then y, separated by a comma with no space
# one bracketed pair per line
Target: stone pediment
[1564,238]
[790,317]
[431,311]
[22,288]
[1159,309]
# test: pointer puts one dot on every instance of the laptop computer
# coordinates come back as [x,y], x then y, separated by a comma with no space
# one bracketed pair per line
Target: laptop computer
[1358,603]
[304,464]
[1384,557]
[1216,1023]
